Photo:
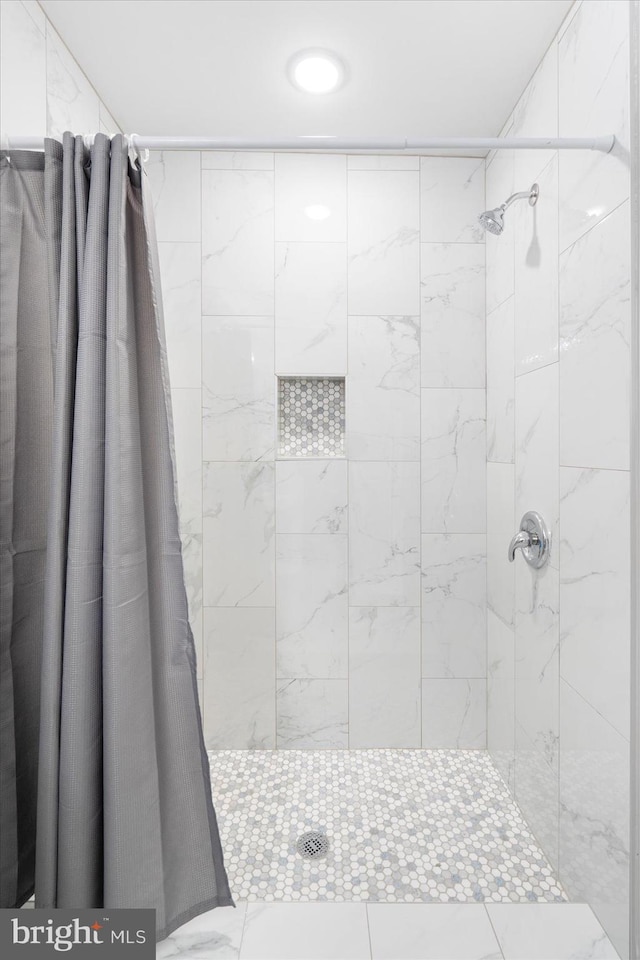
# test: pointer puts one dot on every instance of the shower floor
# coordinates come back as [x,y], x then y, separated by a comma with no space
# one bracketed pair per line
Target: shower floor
[403,826]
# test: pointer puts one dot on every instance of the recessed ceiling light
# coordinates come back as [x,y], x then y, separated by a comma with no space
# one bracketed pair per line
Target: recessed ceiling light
[316,71]
[317,211]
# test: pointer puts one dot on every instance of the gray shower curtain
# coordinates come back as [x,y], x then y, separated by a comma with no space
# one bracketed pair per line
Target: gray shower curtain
[104,780]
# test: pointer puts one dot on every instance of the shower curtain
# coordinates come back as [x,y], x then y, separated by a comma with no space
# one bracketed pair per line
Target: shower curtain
[104,780]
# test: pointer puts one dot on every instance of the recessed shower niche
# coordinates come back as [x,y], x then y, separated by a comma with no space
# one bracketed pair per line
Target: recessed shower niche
[311,416]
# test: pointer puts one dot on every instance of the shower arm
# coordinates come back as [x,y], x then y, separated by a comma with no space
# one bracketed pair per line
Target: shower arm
[522,195]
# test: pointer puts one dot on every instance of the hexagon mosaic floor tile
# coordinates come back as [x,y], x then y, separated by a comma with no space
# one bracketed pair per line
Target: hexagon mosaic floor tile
[402,826]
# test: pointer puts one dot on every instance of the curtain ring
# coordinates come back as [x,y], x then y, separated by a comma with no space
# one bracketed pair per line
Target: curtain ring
[135,153]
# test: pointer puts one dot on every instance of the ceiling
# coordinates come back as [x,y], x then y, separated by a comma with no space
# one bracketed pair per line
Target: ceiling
[218,67]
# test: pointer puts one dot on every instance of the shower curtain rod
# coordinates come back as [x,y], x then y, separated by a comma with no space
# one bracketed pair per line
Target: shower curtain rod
[314,143]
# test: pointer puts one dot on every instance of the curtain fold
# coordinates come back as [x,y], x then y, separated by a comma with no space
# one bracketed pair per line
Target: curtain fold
[124,810]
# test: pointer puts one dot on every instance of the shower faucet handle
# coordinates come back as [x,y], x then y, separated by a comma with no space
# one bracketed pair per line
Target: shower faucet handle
[533,539]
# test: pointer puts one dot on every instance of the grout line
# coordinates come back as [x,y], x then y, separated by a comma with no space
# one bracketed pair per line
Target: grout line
[366,912]
[494,929]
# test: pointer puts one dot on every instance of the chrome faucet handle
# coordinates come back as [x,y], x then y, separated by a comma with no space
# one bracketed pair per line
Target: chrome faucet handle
[533,539]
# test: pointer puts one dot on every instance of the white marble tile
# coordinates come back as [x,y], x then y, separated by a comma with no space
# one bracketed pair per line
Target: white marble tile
[453,461]
[186,406]
[595,347]
[174,176]
[500,184]
[384,243]
[452,320]
[305,931]
[384,677]
[454,714]
[501,383]
[431,931]
[538,658]
[23,72]
[384,534]
[382,162]
[237,242]
[537,449]
[311,197]
[536,791]
[536,275]
[500,697]
[239,678]
[312,621]
[72,103]
[594,100]
[451,198]
[236,160]
[108,124]
[215,934]
[454,590]
[536,115]
[238,533]
[501,526]
[311,496]
[238,396]
[312,714]
[595,589]
[549,931]
[311,308]
[180,280]
[594,814]
[383,396]
[37,14]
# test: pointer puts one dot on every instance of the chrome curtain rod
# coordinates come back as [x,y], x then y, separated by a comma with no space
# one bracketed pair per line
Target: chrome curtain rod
[342,145]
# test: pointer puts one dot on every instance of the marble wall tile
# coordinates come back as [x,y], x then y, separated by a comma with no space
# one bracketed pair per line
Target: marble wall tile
[186,406]
[452,321]
[236,160]
[239,678]
[384,534]
[311,308]
[536,791]
[384,243]
[72,103]
[383,397]
[549,930]
[23,72]
[501,398]
[536,275]
[384,677]
[501,526]
[311,197]
[595,589]
[382,162]
[594,100]
[108,124]
[238,398]
[37,14]
[500,696]
[312,627]
[594,814]
[451,197]
[453,461]
[454,714]
[536,115]
[180,275]
[312,714]
[500,249]
[537,660]
[454,590]
[537,449]
[238,532]
[311,496]
[174,176]
[237,242]
[595,346]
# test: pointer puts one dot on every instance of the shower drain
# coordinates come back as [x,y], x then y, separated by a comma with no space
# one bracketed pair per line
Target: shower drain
[313,845]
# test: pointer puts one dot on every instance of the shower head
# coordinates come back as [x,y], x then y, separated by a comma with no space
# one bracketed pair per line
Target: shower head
[493,220]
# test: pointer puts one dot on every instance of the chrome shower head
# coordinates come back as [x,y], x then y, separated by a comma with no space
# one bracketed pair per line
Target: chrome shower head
[493,220]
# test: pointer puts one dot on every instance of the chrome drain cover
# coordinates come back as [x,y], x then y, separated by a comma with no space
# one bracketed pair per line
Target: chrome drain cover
[313,845]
